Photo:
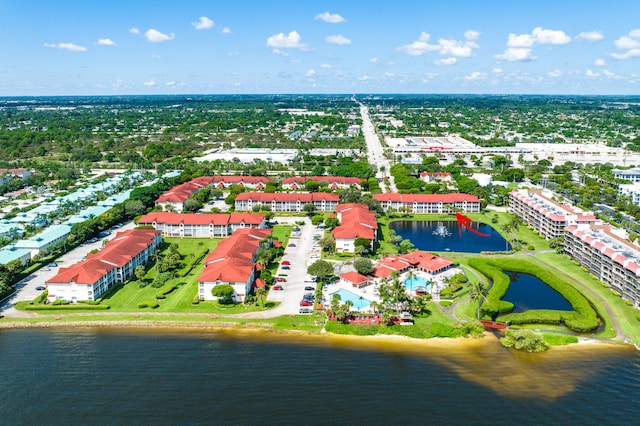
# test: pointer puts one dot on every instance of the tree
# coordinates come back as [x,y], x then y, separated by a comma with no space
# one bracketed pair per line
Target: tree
[320,269]
[261,294]
[225,293]
[192,205]
[327,243]
[524,340]
[362,242]
[317,219]
[331,222]
[309,208]
[139,272]
[363,265]
[405,246]
[476,294]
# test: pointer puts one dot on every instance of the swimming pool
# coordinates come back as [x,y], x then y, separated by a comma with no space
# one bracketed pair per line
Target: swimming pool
[358,303]
[415,282]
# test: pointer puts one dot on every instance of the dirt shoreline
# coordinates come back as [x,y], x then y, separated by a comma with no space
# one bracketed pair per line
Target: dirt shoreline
[265,332]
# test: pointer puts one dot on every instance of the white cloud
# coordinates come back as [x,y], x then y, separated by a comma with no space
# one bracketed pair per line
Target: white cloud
[327,66]
[476,75]
[226,30]
[155,36]
[155,56]
[608,73]
[203,23]
[497,70]
[170,83]
[389,75]
[630,43]
[516,54]
[374,60]
[282,41]
[105,42]
[538,36]
[337,39]
[555,73]
[600,63]
[445,47]
[591,74]
[590,36]
[311,73]
[446,61]
[149,83]
[364,78]
[331,18]
[66,46]
[134,30]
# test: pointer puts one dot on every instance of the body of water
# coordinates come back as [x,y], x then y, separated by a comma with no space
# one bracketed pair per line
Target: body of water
[358,302]
[421,234]
[99,376]
[528,292]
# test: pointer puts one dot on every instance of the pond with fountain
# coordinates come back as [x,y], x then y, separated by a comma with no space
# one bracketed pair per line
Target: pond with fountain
[432,235]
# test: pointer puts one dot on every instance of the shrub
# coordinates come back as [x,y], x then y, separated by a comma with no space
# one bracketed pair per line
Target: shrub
[73,307]
[162,294]
[524,340]
[89,302]
[195,300]
[628,302]
[60,302]
[559,339]
[152,305]
[446,303]
[42,298]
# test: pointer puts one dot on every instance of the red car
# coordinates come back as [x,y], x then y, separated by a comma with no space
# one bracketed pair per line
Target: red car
[285,262]
[280,279]
[306,303]
[277,287]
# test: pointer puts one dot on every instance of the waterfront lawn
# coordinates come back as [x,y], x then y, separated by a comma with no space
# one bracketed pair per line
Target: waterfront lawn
[625,315]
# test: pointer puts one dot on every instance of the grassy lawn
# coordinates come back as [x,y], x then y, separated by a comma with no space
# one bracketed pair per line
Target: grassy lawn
[626,315]
[282,233]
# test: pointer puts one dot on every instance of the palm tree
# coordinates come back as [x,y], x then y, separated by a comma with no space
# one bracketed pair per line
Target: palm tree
[476,293]
[260,294]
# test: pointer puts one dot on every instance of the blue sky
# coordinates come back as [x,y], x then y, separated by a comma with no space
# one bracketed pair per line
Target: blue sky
[96,47]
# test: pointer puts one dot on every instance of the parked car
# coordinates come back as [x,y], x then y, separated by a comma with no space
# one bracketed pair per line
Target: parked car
[280,279]
[304,302]
[292,245]
[41,288]
[277,287]
[309,297]
[306,310]
[285,262]
[286,267]
[53,264]
[309,288]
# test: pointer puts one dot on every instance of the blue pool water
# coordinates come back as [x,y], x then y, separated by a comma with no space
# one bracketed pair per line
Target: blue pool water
[415,282]
[358,303]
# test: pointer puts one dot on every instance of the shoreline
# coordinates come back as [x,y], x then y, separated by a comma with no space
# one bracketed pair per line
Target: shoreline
[262,332]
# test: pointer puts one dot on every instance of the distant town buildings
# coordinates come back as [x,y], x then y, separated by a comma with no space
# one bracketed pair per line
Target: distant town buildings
[333,182]
[116,262]
[204,225]
[429,203]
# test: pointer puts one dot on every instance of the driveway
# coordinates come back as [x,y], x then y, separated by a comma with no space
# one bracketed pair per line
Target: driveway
[26,288]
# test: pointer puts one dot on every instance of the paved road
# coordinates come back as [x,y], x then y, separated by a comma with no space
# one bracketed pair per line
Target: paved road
[375,152]
[26,289]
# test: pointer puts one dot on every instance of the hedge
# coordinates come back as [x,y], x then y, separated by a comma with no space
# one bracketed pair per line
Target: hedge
[150,304]
[71,307]
[583,318]
[162,294]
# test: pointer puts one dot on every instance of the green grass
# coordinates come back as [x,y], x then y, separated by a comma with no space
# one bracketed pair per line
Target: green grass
[282,233]
[559,339]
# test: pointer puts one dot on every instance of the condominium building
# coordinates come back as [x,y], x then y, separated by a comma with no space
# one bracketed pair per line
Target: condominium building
[356,221]
[89,279]
[605,252]
[333,182]
[233,262]
[632,175]
[538,209]
[203,225]
[287,202]
[429,203]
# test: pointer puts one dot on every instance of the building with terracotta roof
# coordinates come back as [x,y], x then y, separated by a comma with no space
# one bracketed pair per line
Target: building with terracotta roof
[420,260]
[177,195]
[287,202]
[203,225]
[429,203]
[434,177]
[547,216]
[355,279]
[233,262]
[334,182]
[356,221]
[89,279]
[607,254]
[7,174]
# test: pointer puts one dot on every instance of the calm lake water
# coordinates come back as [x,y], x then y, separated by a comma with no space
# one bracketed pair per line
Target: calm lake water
[420,232]
[528,292]
[100,376]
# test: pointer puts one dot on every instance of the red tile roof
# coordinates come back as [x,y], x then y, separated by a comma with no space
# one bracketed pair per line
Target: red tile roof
[116,254]
[172,218]
[356,221]
[303,197]
[340,180]
[231,261]
[354,277]
[426,198]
